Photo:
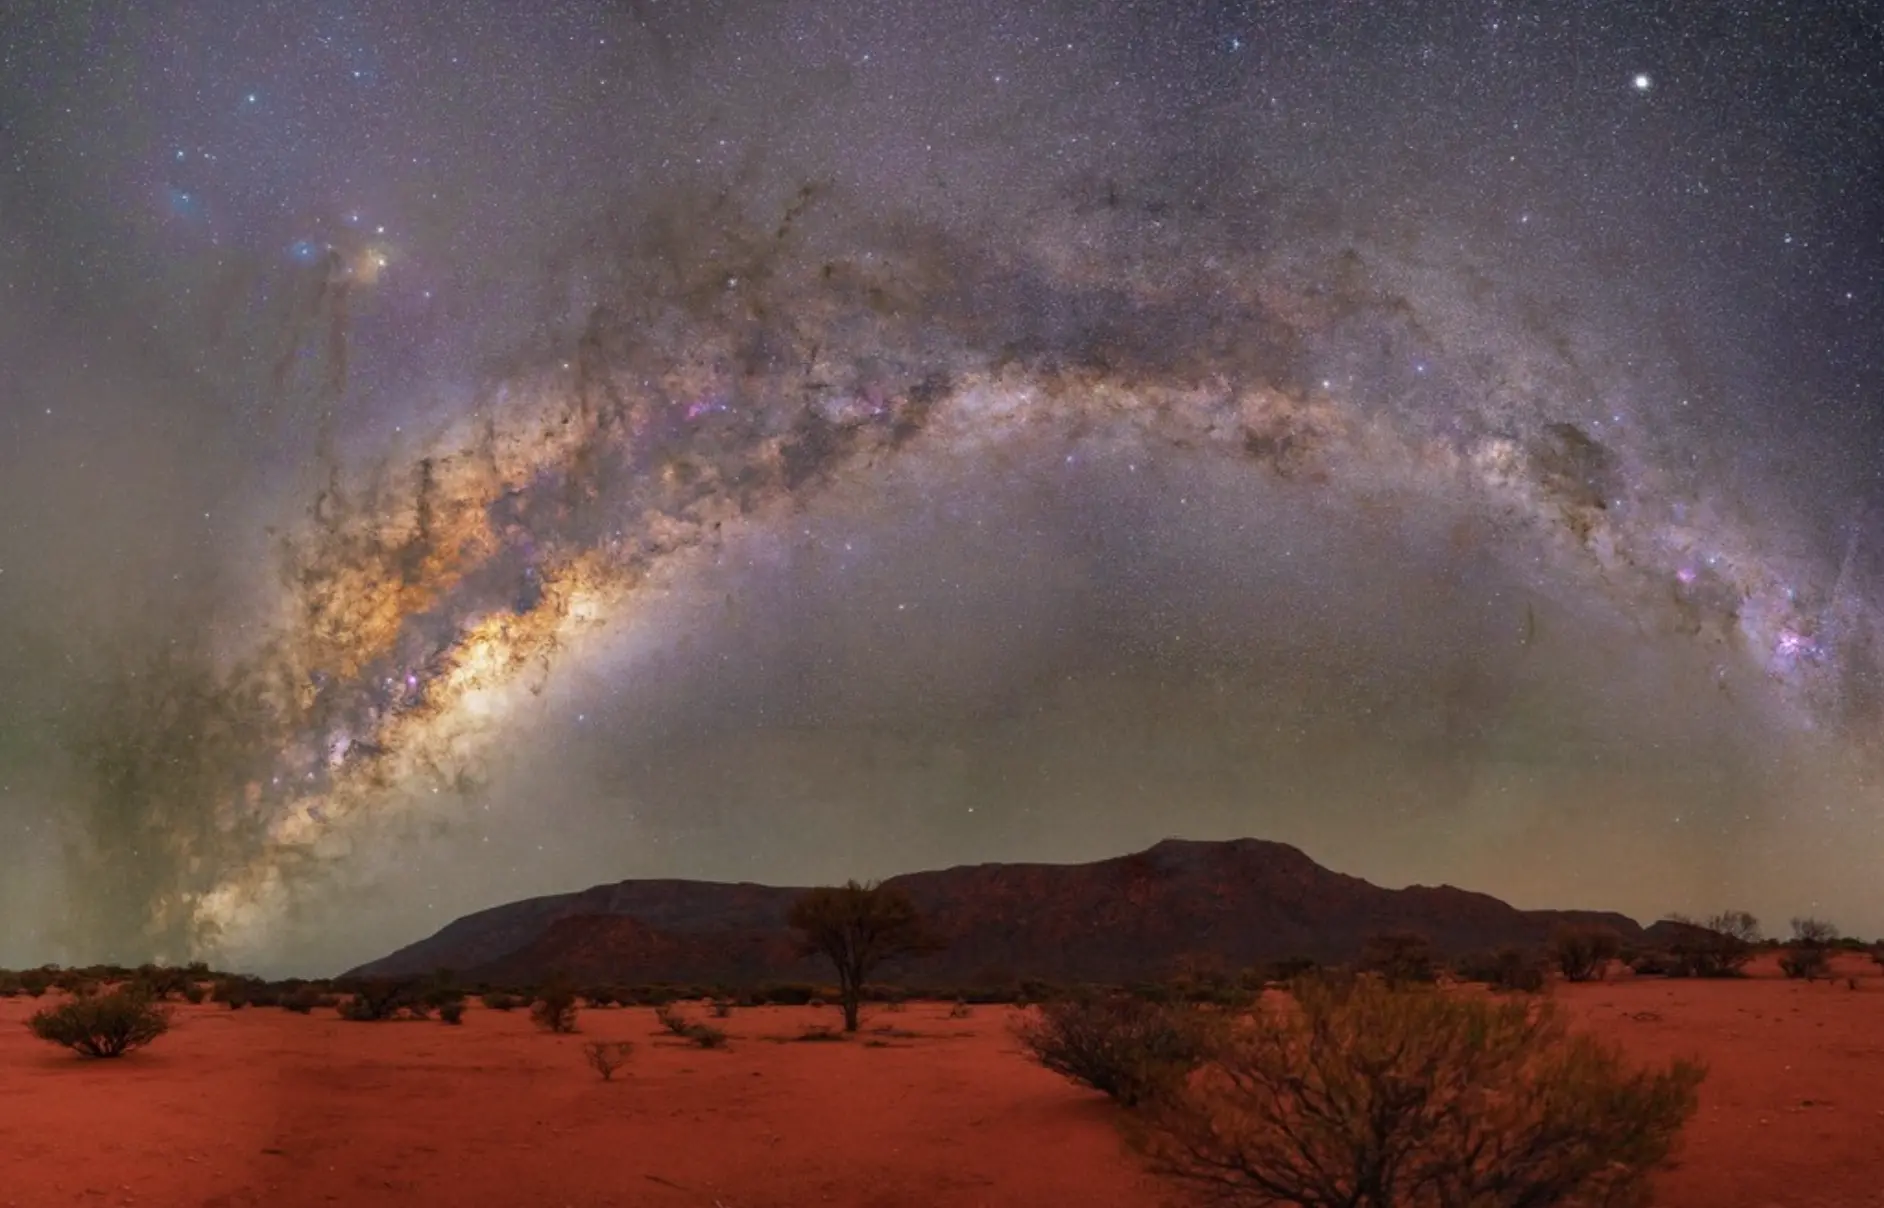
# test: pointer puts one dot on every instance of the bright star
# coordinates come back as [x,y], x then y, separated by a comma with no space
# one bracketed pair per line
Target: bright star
[1643,81]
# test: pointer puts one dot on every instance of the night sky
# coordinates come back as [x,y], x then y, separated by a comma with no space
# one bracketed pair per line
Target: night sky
[450,453]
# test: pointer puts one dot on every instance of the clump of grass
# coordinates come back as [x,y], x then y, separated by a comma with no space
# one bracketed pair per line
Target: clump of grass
[498,1000]
[607,1056]
[818,1034]
[722,1008]
[102,1025]
[451,1011]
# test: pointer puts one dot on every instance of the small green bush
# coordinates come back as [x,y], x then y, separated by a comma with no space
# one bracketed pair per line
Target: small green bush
[452,1012]
[102,1025]
[498,1000]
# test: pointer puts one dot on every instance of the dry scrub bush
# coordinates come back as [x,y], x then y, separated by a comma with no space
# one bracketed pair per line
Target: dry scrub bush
[555,1007]
[1366,1096]
[607,1056]
[1506,969]
[672,1020]
[1402,957]
[1583,952]
[1809,955]
[376,999]
[497,1000]
[706,1036]
[1117,1044]
[102,1025]
[1718,946]
[703,1035]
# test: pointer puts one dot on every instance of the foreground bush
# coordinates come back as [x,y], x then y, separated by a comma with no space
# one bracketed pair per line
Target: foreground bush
[1363,1094]
[1117,1044]
[102,1025]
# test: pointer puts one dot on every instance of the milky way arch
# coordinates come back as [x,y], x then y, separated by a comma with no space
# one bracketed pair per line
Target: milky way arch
[736,369]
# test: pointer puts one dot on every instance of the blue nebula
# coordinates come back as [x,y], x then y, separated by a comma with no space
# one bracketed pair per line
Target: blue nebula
[304,251]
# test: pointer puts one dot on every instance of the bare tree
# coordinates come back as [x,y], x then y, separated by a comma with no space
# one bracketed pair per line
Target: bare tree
[858,927]
[1363,1096]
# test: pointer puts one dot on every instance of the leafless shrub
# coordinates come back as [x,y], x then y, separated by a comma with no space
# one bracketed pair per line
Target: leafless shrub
[607,1056]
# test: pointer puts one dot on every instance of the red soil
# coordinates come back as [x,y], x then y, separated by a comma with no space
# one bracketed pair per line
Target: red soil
[260,1106]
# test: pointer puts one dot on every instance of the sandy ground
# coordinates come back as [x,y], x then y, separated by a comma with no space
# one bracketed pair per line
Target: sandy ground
[260,1106]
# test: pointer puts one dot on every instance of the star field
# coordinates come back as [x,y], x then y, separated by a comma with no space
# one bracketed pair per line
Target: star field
[563,441]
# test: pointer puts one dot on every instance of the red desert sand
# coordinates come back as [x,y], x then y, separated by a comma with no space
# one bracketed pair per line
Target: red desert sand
[263,1107]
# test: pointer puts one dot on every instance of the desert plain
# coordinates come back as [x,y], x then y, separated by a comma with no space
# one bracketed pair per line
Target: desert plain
[259,1106]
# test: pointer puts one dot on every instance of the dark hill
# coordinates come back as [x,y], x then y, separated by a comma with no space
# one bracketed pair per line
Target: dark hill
[1240,902]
